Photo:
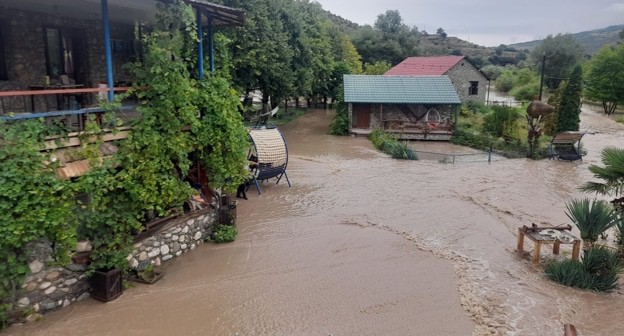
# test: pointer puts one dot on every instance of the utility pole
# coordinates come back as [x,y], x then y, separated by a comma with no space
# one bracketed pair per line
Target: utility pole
[542,75]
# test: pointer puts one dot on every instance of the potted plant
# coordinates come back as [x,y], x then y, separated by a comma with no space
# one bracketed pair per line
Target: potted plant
[108,220]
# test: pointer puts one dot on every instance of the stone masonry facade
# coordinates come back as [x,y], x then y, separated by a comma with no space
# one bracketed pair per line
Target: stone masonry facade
[49,287]
[24,45]
[461,74]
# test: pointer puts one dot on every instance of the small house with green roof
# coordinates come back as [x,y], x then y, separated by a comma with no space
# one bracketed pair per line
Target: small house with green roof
[413,107]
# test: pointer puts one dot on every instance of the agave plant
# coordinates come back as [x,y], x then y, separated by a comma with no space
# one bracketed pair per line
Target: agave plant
[591,217]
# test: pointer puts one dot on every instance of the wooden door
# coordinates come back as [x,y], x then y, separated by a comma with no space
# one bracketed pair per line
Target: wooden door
[361,116]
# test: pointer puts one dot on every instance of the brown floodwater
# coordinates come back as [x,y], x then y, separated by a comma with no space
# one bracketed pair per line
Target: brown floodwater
[362,244]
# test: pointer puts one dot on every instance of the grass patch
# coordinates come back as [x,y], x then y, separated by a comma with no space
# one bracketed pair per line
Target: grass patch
[389,144]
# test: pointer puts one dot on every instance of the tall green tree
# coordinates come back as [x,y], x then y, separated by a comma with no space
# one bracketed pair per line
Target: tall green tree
[568,113]
[263,53]
[604,79]
[390,40]
[562,53]
[377,68]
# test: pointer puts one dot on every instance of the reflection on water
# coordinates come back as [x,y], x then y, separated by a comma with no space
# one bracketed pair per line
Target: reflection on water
[366,245]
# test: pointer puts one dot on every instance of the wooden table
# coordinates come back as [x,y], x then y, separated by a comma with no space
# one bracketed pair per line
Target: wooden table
[539,240]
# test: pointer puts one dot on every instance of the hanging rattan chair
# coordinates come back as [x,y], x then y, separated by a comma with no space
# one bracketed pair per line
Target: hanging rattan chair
[269,154]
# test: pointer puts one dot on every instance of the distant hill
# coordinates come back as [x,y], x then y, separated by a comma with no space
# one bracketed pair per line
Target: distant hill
[591,40]
[434,45]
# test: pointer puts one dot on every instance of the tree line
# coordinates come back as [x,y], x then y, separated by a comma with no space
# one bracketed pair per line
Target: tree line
[292,49]
[289,49]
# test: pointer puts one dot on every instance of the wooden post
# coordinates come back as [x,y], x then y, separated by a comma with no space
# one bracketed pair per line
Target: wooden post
[576,250]
[520,246]
[536,252]
[556,247]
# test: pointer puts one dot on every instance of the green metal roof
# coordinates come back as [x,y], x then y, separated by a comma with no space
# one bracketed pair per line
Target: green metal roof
[399,89]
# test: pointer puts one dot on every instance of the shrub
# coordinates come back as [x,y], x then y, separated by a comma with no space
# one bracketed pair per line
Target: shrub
[597,271]
[391,146]
[224,233]
[502,122]
[476,107]
[504,82]
[340,124]
[525,92]
[591,218]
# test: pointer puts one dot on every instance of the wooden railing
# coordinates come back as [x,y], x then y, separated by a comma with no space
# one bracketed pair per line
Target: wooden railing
[59,91]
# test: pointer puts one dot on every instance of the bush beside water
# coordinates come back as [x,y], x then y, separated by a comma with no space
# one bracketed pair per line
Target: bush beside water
[389,144]
[597,271]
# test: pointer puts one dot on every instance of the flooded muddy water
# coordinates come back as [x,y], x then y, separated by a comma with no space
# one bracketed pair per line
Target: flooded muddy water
[363,244]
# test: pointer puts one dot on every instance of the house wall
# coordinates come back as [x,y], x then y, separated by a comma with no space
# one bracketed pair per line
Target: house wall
[407,112]
[461,74]
[24,47]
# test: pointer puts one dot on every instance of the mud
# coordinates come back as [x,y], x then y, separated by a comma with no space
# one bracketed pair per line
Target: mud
[366,245]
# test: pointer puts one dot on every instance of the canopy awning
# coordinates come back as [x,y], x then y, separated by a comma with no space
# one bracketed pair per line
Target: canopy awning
[220,15]
[124,11]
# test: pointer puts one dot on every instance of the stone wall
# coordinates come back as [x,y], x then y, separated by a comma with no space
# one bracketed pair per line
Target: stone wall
[461,74]
[181,236]
[49,288]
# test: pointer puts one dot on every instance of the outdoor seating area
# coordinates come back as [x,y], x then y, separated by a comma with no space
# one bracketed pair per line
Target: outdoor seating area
[566,146]
[268,156]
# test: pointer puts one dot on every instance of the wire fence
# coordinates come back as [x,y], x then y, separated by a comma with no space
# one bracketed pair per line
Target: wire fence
[453,158]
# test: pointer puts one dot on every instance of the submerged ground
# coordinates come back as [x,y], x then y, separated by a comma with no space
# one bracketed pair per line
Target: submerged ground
[366,245]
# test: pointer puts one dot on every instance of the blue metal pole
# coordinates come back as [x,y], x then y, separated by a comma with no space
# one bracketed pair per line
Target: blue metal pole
[107,50]
[200,44]
[211,42]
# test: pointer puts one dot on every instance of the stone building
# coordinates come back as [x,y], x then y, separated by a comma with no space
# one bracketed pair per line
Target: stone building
[43,45]
[78,46]
[54,49]
[470,82]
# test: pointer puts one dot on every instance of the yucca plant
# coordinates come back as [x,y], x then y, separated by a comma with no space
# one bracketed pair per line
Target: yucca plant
[597,271]
[591,217]
[601,260]
[601,266]
[566,272]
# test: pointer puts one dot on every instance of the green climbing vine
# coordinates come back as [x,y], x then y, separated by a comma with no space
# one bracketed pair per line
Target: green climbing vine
[34,205]
[182,119]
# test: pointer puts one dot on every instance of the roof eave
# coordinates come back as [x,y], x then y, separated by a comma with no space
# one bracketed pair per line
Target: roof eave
[221,15]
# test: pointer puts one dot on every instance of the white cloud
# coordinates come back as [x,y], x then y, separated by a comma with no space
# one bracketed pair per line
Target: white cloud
[618,7]
[489,22]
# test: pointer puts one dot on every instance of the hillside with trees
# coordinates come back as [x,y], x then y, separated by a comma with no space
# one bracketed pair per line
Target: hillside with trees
[591,40]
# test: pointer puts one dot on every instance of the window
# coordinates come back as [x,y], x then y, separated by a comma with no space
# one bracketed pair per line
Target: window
[59,53]
[3,69]
[474,88]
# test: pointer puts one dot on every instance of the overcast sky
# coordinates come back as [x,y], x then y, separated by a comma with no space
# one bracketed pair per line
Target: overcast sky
[488,22]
